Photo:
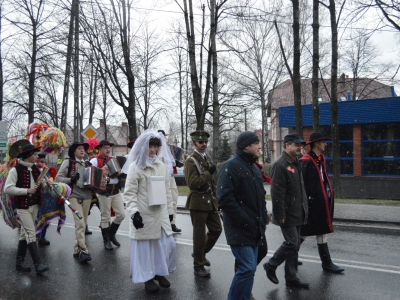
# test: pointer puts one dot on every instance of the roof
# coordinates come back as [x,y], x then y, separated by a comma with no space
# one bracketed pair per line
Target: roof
[117,135]
[366,88]
[383,110]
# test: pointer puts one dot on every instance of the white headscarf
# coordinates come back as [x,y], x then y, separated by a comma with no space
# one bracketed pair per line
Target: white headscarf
[139,153]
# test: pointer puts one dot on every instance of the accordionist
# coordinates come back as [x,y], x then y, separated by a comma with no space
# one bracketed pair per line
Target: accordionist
[109,198]
[80,198]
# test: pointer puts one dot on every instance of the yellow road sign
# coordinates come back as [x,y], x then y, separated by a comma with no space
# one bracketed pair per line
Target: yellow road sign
[90,132]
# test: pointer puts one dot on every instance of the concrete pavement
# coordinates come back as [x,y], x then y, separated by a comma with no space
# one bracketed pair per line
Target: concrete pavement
[344,212]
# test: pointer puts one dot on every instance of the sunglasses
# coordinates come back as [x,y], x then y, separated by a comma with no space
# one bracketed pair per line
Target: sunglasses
[202,142]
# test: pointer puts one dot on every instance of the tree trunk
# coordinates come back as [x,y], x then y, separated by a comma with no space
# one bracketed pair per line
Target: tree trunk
[216,105]
[334,102]
[1,69]
[76,73]
[315,66]
[129,74]
[64,109]
[296,80]
[32,75]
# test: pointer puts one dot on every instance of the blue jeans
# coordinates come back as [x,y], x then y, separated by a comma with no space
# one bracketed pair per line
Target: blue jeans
[242,282]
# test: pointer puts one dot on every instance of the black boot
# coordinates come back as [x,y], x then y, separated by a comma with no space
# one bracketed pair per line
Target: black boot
[113,230]
[175,229]
[20,266]
[34,251]
[106,238]
[327,263]
[87,231]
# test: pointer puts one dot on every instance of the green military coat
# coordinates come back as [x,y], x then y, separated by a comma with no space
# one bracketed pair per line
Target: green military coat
[202,185]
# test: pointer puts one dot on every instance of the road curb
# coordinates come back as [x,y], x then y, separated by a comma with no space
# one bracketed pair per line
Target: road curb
[353,221]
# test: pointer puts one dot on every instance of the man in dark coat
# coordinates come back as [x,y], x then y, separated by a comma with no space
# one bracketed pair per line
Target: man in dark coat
[241,197]
[320,199]
[289,209]
[201,201]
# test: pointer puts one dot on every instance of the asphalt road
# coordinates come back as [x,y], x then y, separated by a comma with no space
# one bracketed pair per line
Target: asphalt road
[370,257]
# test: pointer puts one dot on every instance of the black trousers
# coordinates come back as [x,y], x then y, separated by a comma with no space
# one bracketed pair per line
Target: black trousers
[288,252]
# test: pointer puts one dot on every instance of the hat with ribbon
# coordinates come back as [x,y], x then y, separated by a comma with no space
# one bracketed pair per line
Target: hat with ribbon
[104,143]
[72,148]
[27,151]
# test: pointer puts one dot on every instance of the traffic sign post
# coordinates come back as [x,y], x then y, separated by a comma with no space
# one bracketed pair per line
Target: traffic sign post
[3,135]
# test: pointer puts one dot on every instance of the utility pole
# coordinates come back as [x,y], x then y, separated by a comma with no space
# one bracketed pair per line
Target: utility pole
[76,74]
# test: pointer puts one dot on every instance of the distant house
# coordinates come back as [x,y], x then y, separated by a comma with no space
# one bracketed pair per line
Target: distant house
[119,135]
[348,89]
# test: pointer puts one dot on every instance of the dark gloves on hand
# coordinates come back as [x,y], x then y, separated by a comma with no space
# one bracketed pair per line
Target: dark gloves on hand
[212,169]
[171,217]
[137,220]
[74,178]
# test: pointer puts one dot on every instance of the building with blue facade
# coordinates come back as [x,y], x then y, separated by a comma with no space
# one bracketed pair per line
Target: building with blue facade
[369,134]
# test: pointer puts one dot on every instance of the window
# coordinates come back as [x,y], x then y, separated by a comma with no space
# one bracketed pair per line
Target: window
[381,149]
[346,149]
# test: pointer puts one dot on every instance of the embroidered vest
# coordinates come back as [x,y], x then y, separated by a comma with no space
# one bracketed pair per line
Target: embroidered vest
[24,181]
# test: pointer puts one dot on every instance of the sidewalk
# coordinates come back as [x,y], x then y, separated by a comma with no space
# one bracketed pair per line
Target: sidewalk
[361,213]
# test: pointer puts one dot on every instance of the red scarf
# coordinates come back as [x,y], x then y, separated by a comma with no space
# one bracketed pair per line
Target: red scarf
[265,177]
[101,159]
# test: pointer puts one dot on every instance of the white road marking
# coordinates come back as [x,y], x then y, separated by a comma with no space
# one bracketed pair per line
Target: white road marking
[307,258]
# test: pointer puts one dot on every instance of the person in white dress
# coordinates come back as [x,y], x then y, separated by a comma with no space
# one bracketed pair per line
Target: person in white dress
[152,244]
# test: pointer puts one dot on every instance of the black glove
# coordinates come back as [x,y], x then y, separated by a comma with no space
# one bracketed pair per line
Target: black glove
[88,163]
[212,169]
[74,178]
[137,220]
[171,217]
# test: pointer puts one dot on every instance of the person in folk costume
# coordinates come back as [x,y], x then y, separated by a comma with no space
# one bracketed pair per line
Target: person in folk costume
[80,197]
[201,201]
[320,199]
[41,164]
[174,193]
[51,208]
[152,244]
[110,198]
[92,152]
[21,186]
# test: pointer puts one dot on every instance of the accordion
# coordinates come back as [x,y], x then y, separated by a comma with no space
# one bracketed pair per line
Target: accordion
[115,165]
[91,178]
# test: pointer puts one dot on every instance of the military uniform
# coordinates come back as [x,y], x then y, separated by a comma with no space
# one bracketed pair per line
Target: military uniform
[202,203]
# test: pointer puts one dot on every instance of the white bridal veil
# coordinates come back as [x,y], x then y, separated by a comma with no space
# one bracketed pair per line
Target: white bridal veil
[139,153]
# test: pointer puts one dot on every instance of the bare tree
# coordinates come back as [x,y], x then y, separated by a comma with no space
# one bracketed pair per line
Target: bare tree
[251,40]
[108,33]
[200,102]
[33,19]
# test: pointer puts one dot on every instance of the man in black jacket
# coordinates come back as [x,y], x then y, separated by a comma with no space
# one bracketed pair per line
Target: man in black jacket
[289,209]
[241,197]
